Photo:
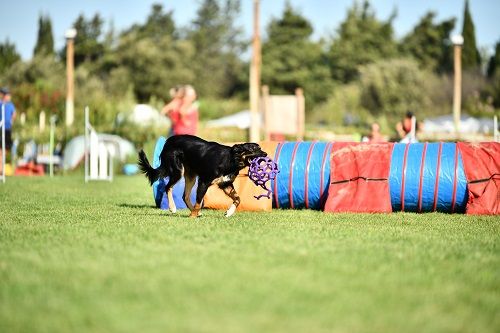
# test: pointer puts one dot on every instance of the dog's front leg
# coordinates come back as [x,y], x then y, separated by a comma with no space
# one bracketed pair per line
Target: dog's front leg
[231,192]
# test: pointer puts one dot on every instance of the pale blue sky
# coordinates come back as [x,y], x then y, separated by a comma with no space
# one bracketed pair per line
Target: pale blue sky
[19,18]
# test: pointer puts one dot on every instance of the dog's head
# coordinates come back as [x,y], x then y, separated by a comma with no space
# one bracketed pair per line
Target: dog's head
[244,153]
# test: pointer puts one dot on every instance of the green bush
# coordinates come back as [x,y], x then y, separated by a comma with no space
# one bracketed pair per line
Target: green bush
[342,109]
[216,108]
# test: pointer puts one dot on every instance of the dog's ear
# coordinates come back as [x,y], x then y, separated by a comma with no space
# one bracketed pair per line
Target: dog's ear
[238,149]
[238,152]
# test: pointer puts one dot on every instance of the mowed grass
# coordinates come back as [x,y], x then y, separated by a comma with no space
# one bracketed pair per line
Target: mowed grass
[99,257]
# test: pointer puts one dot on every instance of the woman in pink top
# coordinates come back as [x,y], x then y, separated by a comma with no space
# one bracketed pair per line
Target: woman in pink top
[183,111]
[187,121]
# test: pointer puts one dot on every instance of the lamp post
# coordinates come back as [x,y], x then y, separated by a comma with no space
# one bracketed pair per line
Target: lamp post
[70,51]
[457,41]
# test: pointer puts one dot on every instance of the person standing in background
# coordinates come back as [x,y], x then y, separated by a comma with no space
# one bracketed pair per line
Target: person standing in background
[183,111]
[404,128]
[188,113]
[375,136]
[10,115]
[171,109]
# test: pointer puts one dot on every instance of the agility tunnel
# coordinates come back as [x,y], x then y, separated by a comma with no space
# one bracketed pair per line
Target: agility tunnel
[427,177]
[304,174]
[361,177]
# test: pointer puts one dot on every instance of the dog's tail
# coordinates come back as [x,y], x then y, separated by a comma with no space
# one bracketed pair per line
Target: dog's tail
[146,168]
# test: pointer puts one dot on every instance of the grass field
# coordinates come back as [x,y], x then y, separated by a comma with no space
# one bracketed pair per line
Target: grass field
[100,258]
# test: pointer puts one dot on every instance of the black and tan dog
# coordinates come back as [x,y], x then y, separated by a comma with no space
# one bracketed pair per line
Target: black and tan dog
[211,162]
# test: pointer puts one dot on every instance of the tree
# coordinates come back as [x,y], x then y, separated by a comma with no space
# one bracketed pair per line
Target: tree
[8,55]
[157,25]
[393,87]
[361,39]
[39,85]
[89,46]
[470,54]
[218,46]
[149,58]
[152,67]
[494,62]
[429,43]
[45,41]
[291,60]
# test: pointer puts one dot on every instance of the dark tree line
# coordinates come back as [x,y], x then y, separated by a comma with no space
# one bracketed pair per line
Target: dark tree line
[145,60]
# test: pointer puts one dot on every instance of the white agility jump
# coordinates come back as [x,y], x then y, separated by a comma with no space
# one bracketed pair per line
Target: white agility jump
[98,155]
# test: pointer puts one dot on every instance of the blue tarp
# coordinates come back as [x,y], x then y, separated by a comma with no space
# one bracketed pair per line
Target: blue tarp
[159,185]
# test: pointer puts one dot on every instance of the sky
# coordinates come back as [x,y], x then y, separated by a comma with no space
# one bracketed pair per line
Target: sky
[19,18]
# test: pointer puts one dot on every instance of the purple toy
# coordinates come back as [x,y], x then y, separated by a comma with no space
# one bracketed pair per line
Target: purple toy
[260,171]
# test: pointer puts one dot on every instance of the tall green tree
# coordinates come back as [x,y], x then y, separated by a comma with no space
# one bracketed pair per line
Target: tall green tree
[152,67]
[291,60]
[429,43]
[157,25]
[45,40]
[218,46]
[470,54]
[494,63]
[8,55]
[89,44]
[361,39]
[150,58]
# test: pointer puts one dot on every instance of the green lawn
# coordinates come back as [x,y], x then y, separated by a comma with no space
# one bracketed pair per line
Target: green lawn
[100,258]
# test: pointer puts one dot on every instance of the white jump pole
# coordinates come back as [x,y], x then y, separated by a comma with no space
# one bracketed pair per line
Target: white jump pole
[86,143]
[51,145]
[495,128]
[413,131]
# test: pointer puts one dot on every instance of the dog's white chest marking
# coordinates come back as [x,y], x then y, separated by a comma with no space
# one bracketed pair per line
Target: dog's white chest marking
[222,179]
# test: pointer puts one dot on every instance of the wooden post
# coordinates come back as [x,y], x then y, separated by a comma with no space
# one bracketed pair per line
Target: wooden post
[70,113]
[299,93]
[457,86]
[267,110]
[255,77]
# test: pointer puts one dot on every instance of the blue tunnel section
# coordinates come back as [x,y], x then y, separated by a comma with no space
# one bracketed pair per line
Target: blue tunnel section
[304,175]
[161,200]
[427,177]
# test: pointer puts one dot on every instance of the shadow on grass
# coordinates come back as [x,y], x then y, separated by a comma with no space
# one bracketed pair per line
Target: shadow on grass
[125,205]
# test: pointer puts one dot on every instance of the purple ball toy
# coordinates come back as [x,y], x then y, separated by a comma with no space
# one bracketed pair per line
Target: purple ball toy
[261,170]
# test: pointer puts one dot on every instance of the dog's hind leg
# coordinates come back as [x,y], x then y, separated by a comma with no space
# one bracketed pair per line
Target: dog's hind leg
[200,194]
[174,177]
[231,192]
[190,180]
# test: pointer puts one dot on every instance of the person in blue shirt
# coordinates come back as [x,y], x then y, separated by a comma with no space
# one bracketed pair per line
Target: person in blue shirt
[10,115]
